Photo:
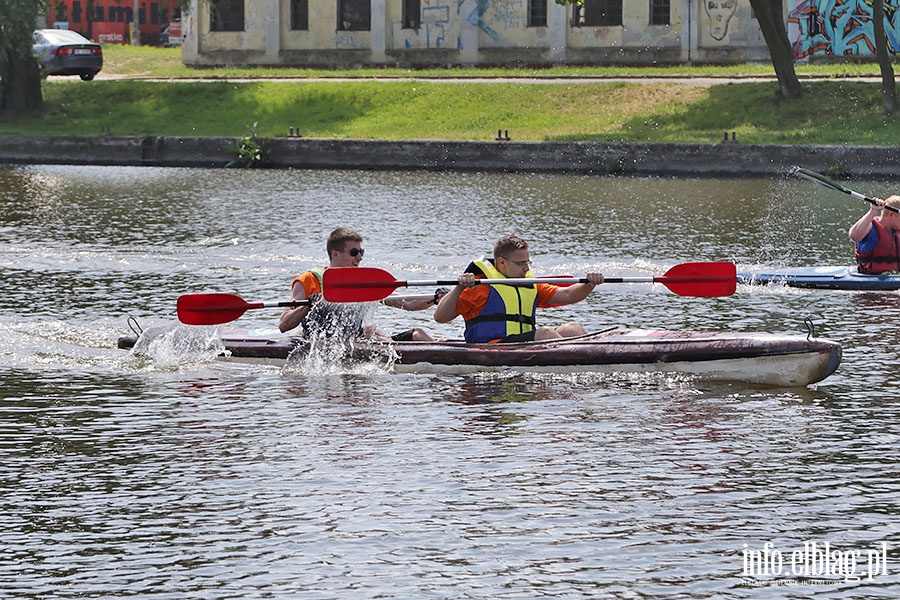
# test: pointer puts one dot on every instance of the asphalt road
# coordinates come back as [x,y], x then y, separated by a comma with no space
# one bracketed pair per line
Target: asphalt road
[554,79]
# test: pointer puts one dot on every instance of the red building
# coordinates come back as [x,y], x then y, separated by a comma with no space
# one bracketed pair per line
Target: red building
[109,21]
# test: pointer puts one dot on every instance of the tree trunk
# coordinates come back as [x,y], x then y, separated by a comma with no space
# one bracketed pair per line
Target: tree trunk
[21,84]
[770,16]
[888,84]
[20,75]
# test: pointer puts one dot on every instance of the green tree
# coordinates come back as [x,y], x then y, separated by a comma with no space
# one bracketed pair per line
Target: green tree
[20,74]
[770,16]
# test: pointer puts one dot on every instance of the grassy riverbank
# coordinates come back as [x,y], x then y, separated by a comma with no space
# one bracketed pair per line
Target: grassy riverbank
[402,105]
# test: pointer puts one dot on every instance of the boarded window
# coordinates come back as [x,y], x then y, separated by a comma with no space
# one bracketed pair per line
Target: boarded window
[598,13]
[299,14]
[412,14]
[537,13]
[226,15]
[659,12]
[354,15]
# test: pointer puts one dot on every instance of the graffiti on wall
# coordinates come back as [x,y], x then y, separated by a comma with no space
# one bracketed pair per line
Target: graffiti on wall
[431,33]
[509,14]
[719,13]
[476,18]
[840,27]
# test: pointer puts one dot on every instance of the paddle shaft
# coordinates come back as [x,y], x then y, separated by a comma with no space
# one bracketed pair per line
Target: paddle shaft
[369,284]
[286,304]
[298,303]
[218,308]
[395,283]
[830,183]
[872,201]
[529,281]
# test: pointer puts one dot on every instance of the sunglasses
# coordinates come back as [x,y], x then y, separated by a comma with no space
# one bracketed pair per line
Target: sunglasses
[519,263]
[354,252]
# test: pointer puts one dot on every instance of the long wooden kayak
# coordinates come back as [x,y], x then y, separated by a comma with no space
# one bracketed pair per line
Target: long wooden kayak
[758,358]
[823,278]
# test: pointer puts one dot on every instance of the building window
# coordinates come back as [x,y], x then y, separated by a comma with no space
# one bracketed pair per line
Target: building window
[412,14]
[354,15]
[598,13]
[299,15]
[659,12]
[226,15]
[537,13]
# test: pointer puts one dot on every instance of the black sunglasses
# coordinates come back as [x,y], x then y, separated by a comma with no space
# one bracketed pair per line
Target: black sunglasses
[356,251]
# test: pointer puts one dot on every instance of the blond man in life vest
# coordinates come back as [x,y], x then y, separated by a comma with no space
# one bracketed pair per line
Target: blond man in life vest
[877,237]
[505,313]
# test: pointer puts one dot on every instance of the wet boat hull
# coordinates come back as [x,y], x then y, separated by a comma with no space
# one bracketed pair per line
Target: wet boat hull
[753,358]
[824,278]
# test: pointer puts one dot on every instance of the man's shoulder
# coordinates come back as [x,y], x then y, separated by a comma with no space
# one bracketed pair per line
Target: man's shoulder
[546,290]
[311,280]
[873,232]
[472,300]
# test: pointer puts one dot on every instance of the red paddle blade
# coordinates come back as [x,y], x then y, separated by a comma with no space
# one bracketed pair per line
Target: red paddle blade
[701,279]
[358,284]
[210,309]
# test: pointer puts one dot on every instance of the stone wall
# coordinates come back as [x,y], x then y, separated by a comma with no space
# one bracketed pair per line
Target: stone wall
[603,158]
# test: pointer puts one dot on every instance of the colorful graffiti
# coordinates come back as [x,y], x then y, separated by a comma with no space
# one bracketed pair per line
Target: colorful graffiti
[840,27]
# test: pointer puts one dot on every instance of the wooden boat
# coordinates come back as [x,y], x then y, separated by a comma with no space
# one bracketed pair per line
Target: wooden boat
[824,278]
[766,359]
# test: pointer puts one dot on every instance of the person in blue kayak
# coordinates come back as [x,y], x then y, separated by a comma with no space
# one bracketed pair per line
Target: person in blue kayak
[504,313]
[344,249]
[877,237]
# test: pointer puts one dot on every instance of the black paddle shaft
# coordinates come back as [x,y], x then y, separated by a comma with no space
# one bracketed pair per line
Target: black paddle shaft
[831,184]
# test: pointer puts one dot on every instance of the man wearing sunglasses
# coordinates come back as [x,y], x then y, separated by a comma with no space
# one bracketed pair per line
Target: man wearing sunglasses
[344,249]
[505,313]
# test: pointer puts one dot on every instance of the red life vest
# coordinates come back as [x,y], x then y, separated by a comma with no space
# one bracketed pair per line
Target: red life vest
[886,254]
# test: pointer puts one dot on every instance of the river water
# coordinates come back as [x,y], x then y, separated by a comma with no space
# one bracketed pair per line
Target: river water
[179,476]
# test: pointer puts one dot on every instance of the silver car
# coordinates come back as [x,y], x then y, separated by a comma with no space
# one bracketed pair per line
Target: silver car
[64,52]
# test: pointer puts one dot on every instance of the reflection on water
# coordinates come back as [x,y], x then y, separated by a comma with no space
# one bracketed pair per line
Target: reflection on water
[484,389]
[166,473]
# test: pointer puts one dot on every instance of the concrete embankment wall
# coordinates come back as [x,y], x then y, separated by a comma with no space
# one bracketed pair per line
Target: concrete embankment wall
[713,160]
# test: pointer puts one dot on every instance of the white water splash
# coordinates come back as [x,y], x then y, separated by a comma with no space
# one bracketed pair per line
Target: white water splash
[175,347]
[336,348]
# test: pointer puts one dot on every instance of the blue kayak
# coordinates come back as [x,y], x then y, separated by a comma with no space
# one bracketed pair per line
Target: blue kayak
[822,278]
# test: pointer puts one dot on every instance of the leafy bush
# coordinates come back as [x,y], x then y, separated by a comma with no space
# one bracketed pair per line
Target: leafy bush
[252,151]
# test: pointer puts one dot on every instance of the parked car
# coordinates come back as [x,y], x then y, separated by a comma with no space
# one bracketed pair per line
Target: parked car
[64,52]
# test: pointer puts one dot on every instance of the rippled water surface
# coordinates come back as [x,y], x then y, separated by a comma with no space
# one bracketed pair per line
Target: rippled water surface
[179,476]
